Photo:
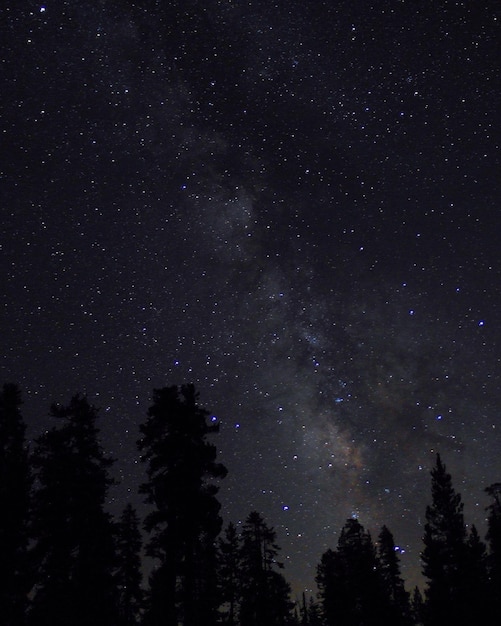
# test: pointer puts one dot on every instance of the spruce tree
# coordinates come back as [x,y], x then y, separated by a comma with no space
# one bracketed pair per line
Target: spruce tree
[350,586]
[185,521]
[303,620]
[229,575]
[475,580]
[494,556]
[394,591]
[15,484]
[417,607]
[128,574]
[444,553]
[314,613]
[74,549]
[265,592]
[329,579]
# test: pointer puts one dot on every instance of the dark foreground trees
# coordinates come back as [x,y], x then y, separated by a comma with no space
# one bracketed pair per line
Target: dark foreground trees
[185,521]
[359,585]
[493,558]
[453,559]
[128,577]
[230,575]
[354,587]
[253,592]
[264,591]
[15,485]
[74,551]
[444,553]
[63,560]
[395,596]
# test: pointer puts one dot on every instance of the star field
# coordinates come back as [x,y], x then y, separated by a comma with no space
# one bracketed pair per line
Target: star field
[294,206]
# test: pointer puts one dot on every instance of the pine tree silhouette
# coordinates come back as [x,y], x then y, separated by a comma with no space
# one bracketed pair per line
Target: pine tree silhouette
[185,521]
[15,485]
[229,575]
[417,606]
[265,592]
[74,549]
[444,554]
[394,591]
[494,556]
[128,574]
[350,585]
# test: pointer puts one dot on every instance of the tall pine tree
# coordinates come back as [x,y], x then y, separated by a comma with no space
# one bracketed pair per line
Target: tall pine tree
[394,591]
[350,587]
[265,592]
[417,606]
[475,581]
[15,484]
[314,613]
[128,575]
[229,575]
[444,553]
[185,521]
[74,548]
[494,557]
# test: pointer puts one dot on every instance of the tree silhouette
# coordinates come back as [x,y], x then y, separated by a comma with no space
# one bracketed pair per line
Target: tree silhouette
[128,574]
[15,485]
[417,606]
[302,614]
[314,614]
[494,557]
[350,586]
[265,592]
[185,521]
[64,561]
[444,553]
[394,591]
[329,578]
[475,580]
[230,575]
[74,550]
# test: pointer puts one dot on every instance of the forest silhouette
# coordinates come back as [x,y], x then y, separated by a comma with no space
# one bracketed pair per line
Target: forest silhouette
[65,560]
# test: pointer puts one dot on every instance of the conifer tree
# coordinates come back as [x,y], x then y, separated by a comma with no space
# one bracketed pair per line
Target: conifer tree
[185,522]
[394,591]
[444,553]
[350,587]
[329,579]
[265,592]
[15,485]
[74,548]
[417,606]
[229,570]
[303,620]
[494,556]
[475,580]
[128,574]
[309,612]
[314,615]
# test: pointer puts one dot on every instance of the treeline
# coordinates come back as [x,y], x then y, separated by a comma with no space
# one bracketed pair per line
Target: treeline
[65,560]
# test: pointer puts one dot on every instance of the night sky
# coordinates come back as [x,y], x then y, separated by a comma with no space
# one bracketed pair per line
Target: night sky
[292,204]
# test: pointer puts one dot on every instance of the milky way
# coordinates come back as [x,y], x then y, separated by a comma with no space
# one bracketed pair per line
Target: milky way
[294,206]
